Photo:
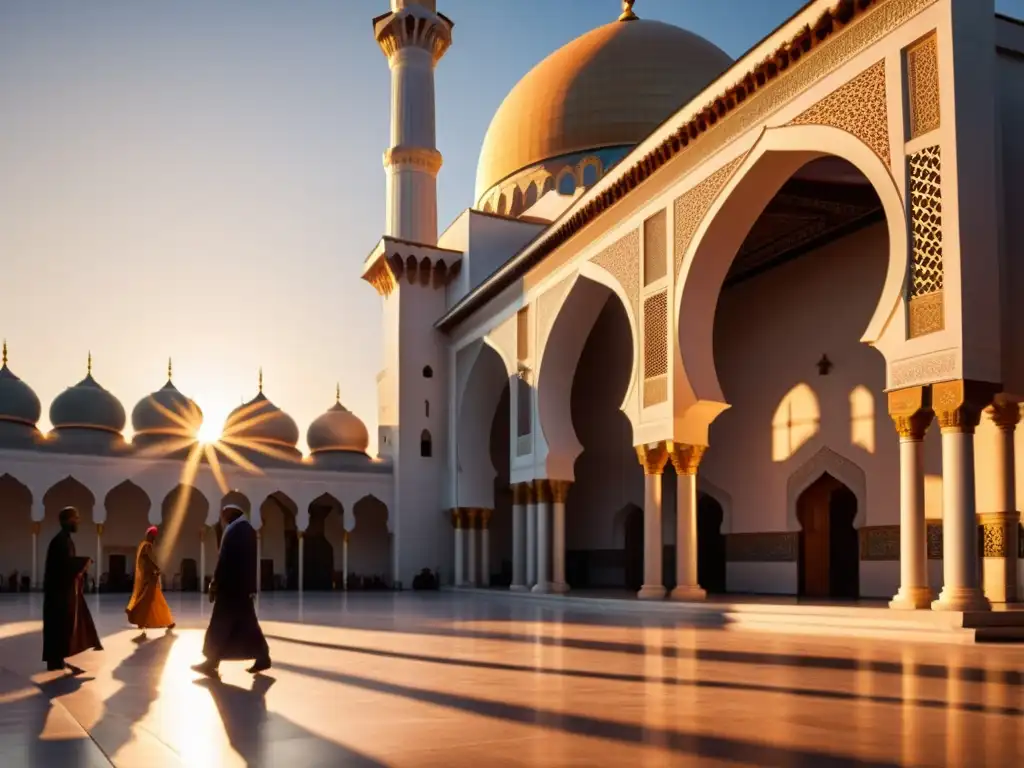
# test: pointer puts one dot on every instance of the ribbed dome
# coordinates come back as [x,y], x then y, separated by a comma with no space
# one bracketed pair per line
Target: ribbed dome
[261,422]
[153,416]
[609,87]
[18,403]
[338,429]
[87,405]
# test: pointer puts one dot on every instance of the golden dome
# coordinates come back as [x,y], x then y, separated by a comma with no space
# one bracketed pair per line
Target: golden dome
[609,87]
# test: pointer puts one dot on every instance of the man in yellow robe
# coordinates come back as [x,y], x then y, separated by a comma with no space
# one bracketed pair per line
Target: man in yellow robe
[148,609]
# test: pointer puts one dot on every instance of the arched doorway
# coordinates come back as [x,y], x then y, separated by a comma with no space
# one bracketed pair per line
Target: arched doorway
[710,545]
[829,558]
[322,536]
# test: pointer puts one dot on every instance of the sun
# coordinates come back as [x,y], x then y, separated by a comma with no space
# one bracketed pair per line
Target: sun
[209,432]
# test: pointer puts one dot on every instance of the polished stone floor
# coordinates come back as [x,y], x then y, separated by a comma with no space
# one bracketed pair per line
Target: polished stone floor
[453,680]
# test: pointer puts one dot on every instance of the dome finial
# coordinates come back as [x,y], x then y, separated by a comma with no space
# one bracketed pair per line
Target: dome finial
[261,380]
[88,364]
[337,387]
[4,363]
[627,11]
[170,369]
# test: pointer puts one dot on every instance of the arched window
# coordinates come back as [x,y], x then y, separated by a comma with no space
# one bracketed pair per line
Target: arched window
[501,204]
[426,445]
[566,184]
[428,372]
[531,194]
[589,176]
[426,408]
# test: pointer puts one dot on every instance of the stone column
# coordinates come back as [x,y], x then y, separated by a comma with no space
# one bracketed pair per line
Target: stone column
[98,566]
[302,561]
[202,559]
[957,406]
[519,538]
[344,560]
[652,458]
[36,525]
[911,412]
[472,515]
[531,534]
[686,460]
[560,493]
[543,490]
[485,547]
[460,548]
[999,527]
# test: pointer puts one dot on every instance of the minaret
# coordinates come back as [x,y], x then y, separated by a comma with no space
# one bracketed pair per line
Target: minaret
[414,37]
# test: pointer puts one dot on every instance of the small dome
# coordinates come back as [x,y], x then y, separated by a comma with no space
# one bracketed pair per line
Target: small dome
[18,403]
[260,422]
[87,405]
[154,415]
[607,88]
[338,429]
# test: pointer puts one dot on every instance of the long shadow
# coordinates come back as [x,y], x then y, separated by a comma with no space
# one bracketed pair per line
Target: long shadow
[1012,677]
[140,673]
[811,693]
[266,739]
[682,742]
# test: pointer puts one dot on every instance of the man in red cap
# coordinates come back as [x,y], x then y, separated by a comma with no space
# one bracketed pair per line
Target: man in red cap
[148,609]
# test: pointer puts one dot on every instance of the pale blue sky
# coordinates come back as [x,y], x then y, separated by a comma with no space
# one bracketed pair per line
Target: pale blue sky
[202,179]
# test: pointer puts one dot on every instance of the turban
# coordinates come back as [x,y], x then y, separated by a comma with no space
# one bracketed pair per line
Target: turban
[152,531]
[233,507]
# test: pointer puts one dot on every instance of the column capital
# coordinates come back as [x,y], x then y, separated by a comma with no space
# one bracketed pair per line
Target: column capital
[542,489]
[911,412]
[1004,414]
[346,536]
[471,515]
[958,404]
[560,490]
[529,493]
[456,518]
[99,529]
[485,518]
[685,458]
[36,526]
[519,494]
[652,457]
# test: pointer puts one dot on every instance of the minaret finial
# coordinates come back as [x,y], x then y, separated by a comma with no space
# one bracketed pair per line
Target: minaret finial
[170,369]
[261,379]
[4,363]
[627,11]
[337,387]
[88,364]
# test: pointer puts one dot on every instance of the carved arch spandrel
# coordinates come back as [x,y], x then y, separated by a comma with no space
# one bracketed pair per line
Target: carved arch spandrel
[690,208]
[621,259]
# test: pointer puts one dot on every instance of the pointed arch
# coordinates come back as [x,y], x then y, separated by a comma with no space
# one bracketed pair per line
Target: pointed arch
[826,461]
[777,155]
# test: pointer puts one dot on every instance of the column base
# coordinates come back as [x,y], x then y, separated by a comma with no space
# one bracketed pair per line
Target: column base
[912,599]
[651,592]
[541,588]
[694,593]
[961,599]
[559,587]
[519,588]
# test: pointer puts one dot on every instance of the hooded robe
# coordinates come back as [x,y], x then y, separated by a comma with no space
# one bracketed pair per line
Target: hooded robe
[234,632]
[68,628]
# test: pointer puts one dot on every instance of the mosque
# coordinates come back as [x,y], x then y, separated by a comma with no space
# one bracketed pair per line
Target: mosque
[710,326]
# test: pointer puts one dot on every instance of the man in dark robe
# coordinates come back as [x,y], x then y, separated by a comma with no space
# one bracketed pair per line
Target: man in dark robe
[234,631]
[68,628]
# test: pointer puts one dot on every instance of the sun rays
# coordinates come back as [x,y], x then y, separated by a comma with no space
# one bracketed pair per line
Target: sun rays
[182,440]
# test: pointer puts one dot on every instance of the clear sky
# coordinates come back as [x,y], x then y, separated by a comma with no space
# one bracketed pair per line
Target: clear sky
[202,179]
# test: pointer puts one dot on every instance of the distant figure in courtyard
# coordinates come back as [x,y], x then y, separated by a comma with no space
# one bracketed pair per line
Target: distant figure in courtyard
[234,632]
[68,628]
[148,609]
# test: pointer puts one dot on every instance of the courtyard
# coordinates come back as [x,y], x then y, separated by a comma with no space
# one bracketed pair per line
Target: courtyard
[447,679]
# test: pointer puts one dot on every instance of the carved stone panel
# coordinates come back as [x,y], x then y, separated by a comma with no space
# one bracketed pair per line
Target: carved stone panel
[655,346]
[925,293]
[880,543]
[774,547]
[692,206]
[622,260]
[923,87]
[858,107]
